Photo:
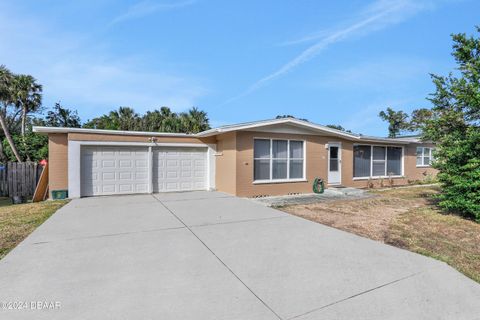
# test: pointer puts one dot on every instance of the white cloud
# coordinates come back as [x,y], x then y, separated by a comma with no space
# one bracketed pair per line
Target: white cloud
[83,74]
[378,15]
[144,8]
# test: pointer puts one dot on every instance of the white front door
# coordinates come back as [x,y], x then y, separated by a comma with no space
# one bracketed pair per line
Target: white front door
[179,169]
[334,163]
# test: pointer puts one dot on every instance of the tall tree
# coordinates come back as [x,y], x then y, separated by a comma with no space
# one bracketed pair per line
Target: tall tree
[397,121]
[170,121]
[338,127]
[163,120]
[194,121]
[152,121]
[62,117]
[419,118]
[7,99]
[455,127]
[124,118]
[28,96]
[283,116]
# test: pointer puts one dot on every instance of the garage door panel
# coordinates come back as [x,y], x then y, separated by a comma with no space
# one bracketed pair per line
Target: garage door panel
[141,188]
[171,186]
[141,175]
[172,174]
[108,188]
[179,169]
[186,174]
[199,185]
[125,164]
[113,170]
[125,175]
[106,153]
[107,163]
[108,176]
[125,188]
[141,164]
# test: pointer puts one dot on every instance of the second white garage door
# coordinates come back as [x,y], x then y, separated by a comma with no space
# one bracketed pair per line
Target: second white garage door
[179,169]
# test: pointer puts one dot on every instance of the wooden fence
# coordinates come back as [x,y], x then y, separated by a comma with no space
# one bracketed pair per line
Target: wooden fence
[19,178]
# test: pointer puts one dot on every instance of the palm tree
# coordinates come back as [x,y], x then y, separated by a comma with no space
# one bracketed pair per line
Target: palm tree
[63,117]
[7,98]
[125,118]
[170,121]
[152,121]
[28,96]
[194,121]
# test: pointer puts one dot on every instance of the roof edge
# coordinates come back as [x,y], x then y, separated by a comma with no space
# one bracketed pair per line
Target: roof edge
[263,123]
[47,130]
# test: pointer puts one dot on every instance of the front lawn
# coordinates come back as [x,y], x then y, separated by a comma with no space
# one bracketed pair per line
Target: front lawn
[18,221]
[406,218]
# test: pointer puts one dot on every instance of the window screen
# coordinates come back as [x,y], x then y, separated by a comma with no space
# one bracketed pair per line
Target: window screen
[296,159]
[394,161]
[361,161]
[261,161]
[378,166]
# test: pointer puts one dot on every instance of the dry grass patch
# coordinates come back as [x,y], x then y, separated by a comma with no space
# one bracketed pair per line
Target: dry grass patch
[406,218]
[18,221]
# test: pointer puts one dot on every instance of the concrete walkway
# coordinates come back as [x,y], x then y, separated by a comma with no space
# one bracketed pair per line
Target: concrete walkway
[330,194]
[206,255]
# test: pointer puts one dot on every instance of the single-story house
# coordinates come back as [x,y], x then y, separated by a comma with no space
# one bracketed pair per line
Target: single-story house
[262,158]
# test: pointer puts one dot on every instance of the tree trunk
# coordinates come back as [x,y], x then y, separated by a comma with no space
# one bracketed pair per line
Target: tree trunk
[3,157]
[9,137]
[24,120]
[24,124]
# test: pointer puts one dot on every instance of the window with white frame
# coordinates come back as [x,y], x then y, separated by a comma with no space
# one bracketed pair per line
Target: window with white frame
[424,156]
[276,159]
[377,161]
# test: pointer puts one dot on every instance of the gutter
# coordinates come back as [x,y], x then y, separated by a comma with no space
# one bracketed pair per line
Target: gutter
[47,130]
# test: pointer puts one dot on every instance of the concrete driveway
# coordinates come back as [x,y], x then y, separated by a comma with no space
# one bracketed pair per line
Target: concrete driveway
[207,255]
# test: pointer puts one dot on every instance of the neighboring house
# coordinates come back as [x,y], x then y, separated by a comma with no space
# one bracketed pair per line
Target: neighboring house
[271,157]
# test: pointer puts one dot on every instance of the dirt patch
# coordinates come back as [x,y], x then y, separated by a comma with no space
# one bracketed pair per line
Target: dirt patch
[406,218]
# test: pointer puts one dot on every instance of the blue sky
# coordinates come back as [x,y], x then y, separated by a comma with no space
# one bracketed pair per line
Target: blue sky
[332,62]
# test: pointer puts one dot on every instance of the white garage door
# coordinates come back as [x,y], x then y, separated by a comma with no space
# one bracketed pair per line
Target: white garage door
[114,170]
[179,169]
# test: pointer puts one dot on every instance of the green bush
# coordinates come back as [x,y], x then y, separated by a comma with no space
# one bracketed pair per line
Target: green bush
[33,148]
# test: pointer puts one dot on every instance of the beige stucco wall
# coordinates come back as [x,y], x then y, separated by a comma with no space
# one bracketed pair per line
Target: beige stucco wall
[316,166]
[225,163]
[58,151]
[234,161]
[57,161]
[412,171]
